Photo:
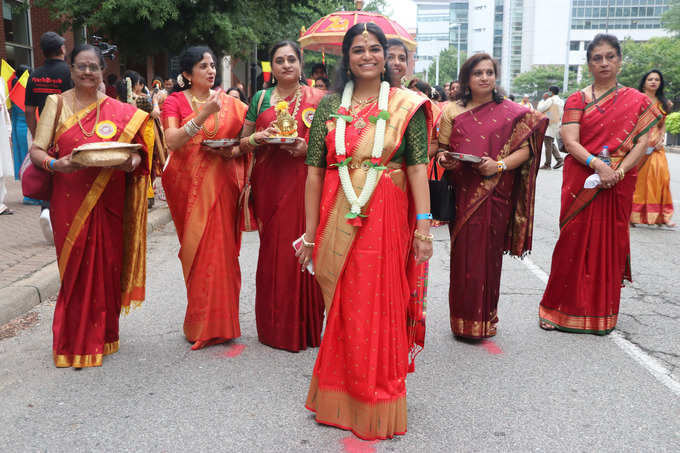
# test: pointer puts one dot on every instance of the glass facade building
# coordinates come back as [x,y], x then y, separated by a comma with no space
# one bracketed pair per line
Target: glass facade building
[618,14]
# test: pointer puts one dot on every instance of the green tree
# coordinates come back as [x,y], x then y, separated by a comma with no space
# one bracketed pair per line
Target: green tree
[144,27]
[671,18]
[657,53]
[536,81]
[447,67]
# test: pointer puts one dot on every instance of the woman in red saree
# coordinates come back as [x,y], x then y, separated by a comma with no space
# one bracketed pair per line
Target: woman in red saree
[592,255]
[98,214]
[367,254]
[202,186]
[288,303]
[494,198]
[652,200]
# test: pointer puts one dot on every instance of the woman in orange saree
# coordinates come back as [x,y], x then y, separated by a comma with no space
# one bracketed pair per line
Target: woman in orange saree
[202,186]
[652,200]
[592,255]
[368,247]
[98,214]
[288,303]
[494,198]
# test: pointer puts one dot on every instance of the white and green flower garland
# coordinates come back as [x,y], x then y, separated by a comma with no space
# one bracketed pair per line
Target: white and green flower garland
[358,202]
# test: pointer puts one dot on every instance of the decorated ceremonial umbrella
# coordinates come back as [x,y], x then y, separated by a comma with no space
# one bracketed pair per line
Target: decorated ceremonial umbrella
[326,34]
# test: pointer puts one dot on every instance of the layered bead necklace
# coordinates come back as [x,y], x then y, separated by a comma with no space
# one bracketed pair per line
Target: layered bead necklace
[276,97]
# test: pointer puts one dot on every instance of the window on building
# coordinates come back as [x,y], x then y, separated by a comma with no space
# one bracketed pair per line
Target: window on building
[17,33]
[574,45]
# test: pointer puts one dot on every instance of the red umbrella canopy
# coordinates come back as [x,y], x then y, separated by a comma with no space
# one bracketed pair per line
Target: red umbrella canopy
[326,34]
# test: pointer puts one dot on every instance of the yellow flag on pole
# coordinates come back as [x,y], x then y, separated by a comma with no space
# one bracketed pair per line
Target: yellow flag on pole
[7,73]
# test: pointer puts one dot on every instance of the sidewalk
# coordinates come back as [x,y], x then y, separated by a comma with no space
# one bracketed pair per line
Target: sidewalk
[28,270]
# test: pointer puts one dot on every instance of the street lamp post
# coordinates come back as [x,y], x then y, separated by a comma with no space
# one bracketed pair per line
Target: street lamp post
[457,48]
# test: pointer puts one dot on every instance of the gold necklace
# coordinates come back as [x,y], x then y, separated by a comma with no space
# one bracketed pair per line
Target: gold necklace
[216,116]
[297,99]
[358,106]
[80,124]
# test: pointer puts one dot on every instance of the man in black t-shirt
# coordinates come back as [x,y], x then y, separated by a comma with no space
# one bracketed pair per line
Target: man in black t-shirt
[54,77]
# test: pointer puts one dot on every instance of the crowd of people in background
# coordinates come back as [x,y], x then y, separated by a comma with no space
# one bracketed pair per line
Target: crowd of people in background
[347,187]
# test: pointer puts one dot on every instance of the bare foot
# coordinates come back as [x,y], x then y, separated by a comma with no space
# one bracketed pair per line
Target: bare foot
[200,344]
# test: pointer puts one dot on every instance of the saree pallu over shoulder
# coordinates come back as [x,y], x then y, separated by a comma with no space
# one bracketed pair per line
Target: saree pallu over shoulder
[496,131]
[584,288]
[288,303]
[131,125]
[335,235]
[366,276]
[202,191]
[99,221]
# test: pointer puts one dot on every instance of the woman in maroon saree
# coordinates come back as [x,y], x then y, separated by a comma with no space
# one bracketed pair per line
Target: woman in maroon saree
[288,302]
[592,255]
[494,198]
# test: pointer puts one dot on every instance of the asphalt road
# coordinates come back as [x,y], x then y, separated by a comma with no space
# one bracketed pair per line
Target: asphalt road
[527,390]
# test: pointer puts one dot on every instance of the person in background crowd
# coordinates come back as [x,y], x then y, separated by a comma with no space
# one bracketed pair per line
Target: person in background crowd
[319,71]
[111,90]
[21,138]
[424,89]
[238,94]
[288,303]
[397,62]
[53,77]
[441,94]
[526,102]
[202,186]
[494,197]
[454,86]
[553,107]
[447,85]
[99,215]
[367,266]
[511,97]
[652,200]
[5,148]
[168,85]
[592,255]
[322,84]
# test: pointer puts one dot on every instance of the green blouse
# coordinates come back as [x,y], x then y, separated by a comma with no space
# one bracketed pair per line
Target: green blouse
[413,147]
[252,110]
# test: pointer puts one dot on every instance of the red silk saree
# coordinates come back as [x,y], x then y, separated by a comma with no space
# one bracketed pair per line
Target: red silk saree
[99,221]
[368,277]
[493,215]
[202,191]
[592,255]
[288,303]
[652,200]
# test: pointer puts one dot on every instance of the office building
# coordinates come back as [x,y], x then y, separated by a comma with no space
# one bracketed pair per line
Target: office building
[521,34]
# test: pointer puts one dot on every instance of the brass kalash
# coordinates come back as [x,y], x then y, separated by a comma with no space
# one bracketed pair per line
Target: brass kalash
[285,124]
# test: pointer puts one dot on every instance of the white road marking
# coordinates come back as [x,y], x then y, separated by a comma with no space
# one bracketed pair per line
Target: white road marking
[652,365]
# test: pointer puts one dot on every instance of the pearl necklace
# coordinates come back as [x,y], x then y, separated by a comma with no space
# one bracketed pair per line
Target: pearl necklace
[358,202]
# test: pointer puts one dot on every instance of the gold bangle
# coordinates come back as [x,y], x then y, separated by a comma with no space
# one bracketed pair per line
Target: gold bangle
[305,243]
[251,139]
[621,173]
[422,236]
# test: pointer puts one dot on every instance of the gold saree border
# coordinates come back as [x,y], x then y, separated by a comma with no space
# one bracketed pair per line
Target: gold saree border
[599,325]
[84,360]
[473,329]
[367,420]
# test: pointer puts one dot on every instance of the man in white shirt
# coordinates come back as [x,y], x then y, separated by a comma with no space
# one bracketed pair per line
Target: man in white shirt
[553,107]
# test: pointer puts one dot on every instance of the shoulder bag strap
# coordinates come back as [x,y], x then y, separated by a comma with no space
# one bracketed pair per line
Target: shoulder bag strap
[60,104]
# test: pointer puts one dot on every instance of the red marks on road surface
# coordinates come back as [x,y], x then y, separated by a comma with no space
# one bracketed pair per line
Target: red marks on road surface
[491,347]
[353,445]
[234,350]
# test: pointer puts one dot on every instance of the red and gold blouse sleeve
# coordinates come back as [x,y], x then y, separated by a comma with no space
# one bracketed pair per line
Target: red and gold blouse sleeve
[573,109]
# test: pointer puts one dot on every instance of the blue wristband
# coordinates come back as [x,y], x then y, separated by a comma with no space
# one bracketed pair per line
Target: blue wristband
[427,216]
[589,160]
[51,163]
